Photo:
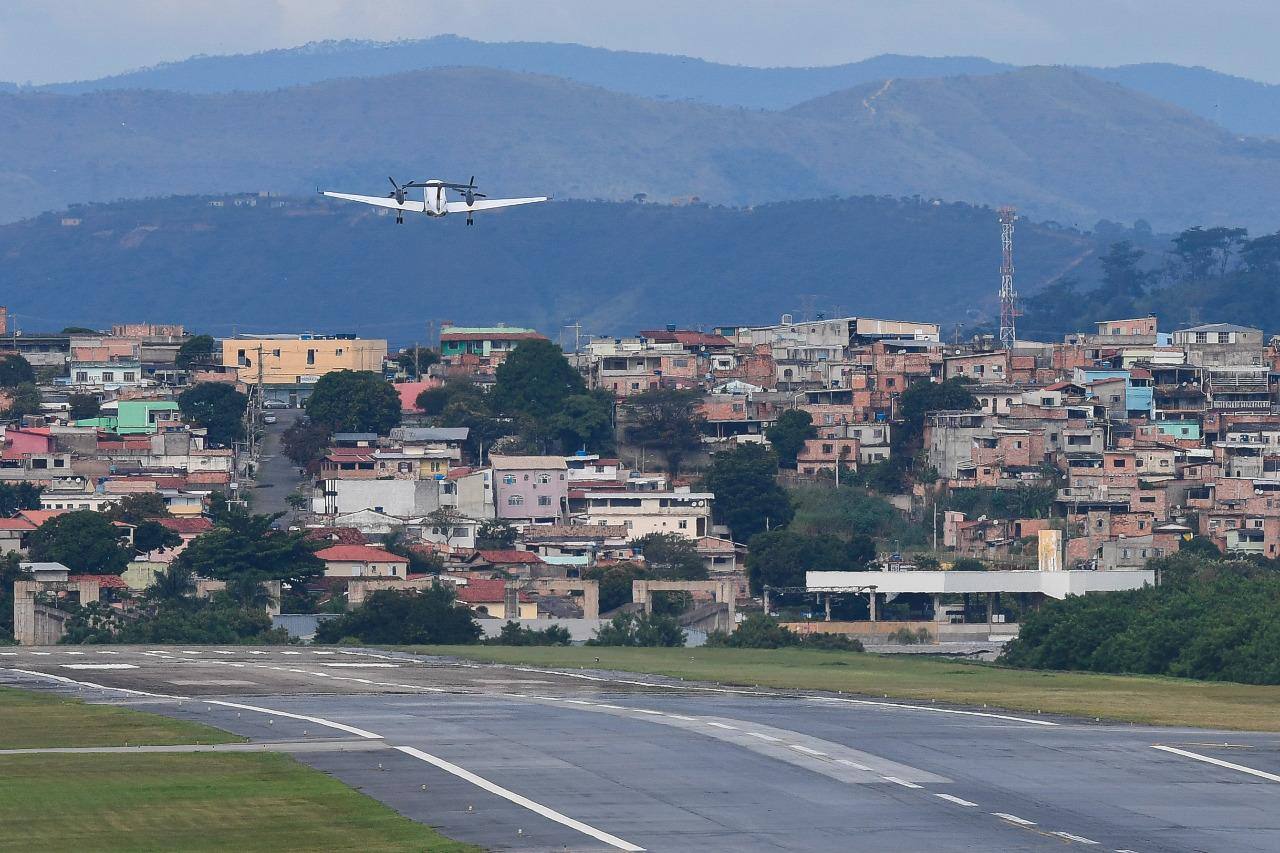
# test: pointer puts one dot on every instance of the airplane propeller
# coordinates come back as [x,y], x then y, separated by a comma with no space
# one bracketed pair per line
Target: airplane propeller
[397,191]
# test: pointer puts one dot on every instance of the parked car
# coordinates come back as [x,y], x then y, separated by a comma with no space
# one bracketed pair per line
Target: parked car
[274,404]
[269,419]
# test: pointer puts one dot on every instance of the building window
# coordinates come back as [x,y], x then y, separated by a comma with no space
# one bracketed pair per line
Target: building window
[82,376]
[108,376]
[509,479]
[684,524]
[311,356]
[128,376]
[544,500]
[544,479]
[515,500]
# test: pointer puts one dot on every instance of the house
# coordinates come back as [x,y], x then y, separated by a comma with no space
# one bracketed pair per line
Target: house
[290,365]
[683,513]
[530,488]
[495,600]
[512,562]
[488,346]
[107,375]
[362,561]
[13,535]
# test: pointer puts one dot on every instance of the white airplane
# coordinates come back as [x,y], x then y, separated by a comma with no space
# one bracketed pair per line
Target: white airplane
[435,199]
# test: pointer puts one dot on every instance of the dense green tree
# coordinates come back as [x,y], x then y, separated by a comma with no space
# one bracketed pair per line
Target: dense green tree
[1262,255]
[84,541]
[1201,546]
[415,360]
[16,496]
[24,400]
[788,435]
[393,617]
[747,496]
[79,330]
[534,380]
[354,401]
[495,535]
[757,631]
[81,407]
[1122,275]
[922,398]
[665,420]
[246,551]
[135,509]
[151,536]
[1205,251]
[431,401]
[968,564]
[173,583]
[645,630]
[305,442]
[195,350]
[670,556]
[780,558]
[585,421]
[515,634]
[15,370]
[11,571]
[216,406]
[851,511]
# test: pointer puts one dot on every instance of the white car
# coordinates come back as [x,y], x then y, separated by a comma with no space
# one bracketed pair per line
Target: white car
[269,419]
[274,404]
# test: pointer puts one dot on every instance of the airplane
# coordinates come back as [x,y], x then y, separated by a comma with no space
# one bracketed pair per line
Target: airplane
[435,200]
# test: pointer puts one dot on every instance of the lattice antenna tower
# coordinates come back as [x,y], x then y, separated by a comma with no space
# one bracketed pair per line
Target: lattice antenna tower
[1008,296]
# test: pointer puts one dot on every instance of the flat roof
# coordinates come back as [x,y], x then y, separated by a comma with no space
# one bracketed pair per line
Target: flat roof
[1052,584]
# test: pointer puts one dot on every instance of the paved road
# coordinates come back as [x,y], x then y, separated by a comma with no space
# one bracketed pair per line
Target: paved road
[277,476]
[526,759]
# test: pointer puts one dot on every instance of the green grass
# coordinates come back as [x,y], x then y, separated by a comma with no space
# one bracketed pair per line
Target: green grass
[33,720]
[1139,699]
[206,801]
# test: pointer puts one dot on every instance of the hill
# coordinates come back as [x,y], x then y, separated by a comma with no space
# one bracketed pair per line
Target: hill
[1056,143]
[297,264]
[1245,106]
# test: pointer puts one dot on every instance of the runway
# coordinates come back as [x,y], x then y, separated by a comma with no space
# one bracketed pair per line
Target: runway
[517,758]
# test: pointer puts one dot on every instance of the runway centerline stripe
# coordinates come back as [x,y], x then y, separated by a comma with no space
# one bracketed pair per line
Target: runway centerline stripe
[512,796]
[806,750]
[1079,839]
[903,782]
[319,721]
[763,736]
[950,798]
[1014,819]
[1239,768]
[853,764]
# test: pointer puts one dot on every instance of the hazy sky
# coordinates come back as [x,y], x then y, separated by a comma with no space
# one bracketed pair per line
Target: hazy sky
[56,40]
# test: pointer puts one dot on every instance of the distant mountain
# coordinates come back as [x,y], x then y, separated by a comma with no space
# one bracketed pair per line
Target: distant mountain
[297,264]
[1243,105]
[652,75]
[1056,143]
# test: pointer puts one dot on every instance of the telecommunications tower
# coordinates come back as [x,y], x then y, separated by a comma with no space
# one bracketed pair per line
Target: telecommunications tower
[1008,296]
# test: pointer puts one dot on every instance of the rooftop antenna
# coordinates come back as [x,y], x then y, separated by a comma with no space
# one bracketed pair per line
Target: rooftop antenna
[1008,296]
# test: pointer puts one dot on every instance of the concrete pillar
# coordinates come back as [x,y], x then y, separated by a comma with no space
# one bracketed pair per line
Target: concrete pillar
[827,605]
[590,600]
[871,604]
[938,615]
[991,607]
[24,612]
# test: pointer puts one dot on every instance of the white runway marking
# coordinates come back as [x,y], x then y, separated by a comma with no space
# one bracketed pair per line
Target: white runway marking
[953,799]
[215,682]
[97,666]
[364,665]
[903,782]
[537,808]
[846,762]
[1079,839]
[75,653]
[1239,768]
[807,750]
[1014,819]
[319,721]
[763,736]
[722,725]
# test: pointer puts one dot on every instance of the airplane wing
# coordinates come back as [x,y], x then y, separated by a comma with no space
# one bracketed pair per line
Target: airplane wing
[381,201]
[491,203]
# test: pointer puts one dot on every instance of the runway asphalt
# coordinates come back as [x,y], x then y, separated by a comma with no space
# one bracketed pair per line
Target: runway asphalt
[516,758]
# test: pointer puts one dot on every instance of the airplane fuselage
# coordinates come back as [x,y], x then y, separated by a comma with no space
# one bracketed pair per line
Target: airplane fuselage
[436,198]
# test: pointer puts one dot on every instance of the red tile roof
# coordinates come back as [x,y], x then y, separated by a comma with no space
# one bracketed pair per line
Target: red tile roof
[104,581]
[509,556]
[486,592]
[40,516]
[358,554]
[196,525]
[409,392]
[340,535]
[16,524]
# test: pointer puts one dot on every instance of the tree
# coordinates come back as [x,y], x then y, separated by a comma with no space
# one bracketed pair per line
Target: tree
[747,496]
[81,407]
[11,571]
[135,509]
[534,380]
[305,442]
[648,630]
[246,551]
[414,360]
[665,420]
[585,421]
[15,370]
[615,582]
[151,536]
[758,631]
[85,542]
[78,330]
[216,406]
[429,616]
[514,634]
[173,583]
[431,401]
[1121,275]
[16,496]
[788,435]
[1262,254]
[195,350]
[445,519]
[354,401]
[24,399]
[780,558]
[968,564]
[495,535]
[669,556]
[920,399]
[1204,251]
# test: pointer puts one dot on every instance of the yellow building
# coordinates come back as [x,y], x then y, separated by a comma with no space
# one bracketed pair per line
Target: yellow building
[295,361]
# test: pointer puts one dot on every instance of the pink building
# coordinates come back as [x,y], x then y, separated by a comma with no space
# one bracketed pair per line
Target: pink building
[530,488]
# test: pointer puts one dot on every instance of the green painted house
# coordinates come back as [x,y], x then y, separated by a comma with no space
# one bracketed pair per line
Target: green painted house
[135,417]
